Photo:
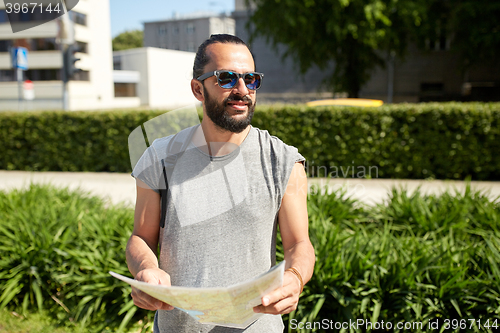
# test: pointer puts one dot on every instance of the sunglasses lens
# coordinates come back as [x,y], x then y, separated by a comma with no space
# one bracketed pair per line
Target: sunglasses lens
[252,81]
[227,79]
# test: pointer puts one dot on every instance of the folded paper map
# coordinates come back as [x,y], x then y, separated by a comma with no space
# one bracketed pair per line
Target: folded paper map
[231,306]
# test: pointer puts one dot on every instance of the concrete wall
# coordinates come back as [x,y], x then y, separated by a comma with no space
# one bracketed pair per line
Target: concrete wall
[170,74]
[98,93]
[419,68]
[185,34]
[165,75]
[47,96]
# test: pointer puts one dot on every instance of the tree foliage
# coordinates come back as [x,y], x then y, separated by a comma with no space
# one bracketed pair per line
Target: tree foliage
[357,35]
[128,40]
[471,26]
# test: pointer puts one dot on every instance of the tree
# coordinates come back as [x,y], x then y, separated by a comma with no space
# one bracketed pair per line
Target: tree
[357,35]
[472,26]
[128,40]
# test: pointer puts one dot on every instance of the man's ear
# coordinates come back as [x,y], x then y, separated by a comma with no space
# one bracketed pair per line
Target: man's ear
[197,89]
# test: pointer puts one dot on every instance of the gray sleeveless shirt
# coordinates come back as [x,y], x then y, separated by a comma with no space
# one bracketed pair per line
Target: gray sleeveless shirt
[220,226]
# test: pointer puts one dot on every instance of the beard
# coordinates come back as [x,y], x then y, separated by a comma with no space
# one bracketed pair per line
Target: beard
[220,117]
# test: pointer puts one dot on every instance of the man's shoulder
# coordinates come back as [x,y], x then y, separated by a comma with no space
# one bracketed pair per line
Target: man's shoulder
[161,145]
[266,138]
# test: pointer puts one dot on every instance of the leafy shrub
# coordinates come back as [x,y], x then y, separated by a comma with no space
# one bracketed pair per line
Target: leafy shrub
[416,258]
[439,140]
[57,248]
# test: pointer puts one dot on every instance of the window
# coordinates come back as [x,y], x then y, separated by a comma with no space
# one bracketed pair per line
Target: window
[190,28]
[125,90]
[117,63]
[431,91]
[175,31]
[438,45]
[3,16]
[81,76]
[439,42]
[43,44]
[51,74]
[7,75]
[5,45]
[162,30]
[78,18]
[43,74]
[32,44]
[82,47]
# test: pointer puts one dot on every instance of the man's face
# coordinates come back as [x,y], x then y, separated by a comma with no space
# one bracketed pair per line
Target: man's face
[217,112]
[229,109]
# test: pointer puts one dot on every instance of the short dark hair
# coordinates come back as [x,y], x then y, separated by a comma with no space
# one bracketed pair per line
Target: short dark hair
[202,59]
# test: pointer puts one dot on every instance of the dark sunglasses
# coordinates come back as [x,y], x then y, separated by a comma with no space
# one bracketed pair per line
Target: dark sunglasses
[228,79]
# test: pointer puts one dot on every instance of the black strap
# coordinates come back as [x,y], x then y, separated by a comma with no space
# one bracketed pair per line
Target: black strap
[163,197]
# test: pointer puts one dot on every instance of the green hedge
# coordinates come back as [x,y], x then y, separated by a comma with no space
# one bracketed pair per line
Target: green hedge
[435,140]
[438,140]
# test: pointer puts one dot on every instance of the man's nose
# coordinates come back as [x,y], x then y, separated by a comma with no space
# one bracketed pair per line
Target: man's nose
[241,88]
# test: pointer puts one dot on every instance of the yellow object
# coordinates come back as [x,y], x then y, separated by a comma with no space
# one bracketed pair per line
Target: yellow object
[347,102]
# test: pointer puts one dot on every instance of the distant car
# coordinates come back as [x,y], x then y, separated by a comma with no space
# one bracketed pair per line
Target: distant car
[347,102]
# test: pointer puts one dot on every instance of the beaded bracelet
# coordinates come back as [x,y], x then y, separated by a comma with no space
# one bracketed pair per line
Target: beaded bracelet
[297,274]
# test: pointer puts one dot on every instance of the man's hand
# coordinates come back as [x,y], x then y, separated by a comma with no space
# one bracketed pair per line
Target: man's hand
[143,300]
[284,299]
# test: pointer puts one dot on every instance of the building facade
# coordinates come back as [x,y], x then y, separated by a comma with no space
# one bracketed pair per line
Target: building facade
[283,82]
[159,78]
[185,34]
[433,74]
[92,88]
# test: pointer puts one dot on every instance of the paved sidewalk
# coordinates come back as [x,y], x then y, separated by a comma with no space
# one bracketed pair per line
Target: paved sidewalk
[120,187]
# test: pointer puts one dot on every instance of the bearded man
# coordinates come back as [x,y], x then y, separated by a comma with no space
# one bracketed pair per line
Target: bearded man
[226,198]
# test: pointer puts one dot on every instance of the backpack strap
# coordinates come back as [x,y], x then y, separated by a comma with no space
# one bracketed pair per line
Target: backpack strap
[175,149]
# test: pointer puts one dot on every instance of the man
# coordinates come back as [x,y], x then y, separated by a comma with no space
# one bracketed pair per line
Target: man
[226,197]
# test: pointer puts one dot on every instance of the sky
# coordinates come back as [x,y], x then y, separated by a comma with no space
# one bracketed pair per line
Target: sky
[130,14]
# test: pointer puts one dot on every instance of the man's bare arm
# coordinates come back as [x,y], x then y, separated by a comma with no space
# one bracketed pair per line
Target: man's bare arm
[298,250]
[142,248]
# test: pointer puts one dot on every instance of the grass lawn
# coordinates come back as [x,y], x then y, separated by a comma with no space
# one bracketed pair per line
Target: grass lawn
[12,322]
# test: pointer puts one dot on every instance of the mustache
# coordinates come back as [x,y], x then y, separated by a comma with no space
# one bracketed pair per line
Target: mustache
[234,98]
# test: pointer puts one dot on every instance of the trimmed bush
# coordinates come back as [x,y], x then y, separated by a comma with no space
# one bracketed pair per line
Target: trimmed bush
[416,141]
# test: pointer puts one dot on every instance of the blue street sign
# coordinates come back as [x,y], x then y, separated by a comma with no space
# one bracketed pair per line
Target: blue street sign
[20,58]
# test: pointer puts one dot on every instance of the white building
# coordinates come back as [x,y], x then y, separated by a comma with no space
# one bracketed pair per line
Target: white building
[90,89]
[147,77]
[159,78]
